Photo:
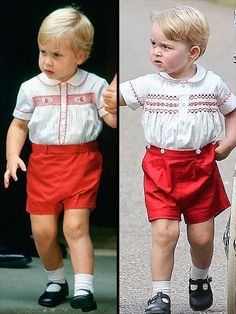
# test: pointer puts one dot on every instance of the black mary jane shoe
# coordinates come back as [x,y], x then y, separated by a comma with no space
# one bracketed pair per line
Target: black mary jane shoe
[159,304]
[52,299]
[84,302]
[200,299]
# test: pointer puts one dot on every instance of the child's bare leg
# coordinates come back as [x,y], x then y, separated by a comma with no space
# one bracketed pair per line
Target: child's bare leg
[200,237]
[44,229]
[165,234]
[76,231]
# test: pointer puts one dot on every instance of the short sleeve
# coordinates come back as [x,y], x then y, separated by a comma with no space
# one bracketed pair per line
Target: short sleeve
[226,99]
[134,92]
[100,86]
[24,105]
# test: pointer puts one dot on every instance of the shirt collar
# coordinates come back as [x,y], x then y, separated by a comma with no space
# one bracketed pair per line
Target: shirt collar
[77,79]
[198,76]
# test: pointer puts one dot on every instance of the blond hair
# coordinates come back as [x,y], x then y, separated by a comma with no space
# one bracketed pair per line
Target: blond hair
[183,23]
[70,25]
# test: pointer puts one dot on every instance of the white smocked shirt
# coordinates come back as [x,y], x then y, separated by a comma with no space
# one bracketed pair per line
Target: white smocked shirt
[180,115]
[61,113]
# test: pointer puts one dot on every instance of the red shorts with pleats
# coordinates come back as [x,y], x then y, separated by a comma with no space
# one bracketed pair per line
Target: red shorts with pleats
[184,183]
[63,177]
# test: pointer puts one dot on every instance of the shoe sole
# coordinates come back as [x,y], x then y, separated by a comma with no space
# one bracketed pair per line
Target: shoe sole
[62,299]
[85,307]
[52,304]
[200,309]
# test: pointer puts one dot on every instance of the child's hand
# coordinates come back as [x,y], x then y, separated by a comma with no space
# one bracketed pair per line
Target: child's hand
[223,149]
[110,101]
[13,164]
[110,97]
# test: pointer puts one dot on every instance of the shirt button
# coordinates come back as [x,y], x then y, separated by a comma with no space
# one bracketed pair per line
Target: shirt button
[182,122]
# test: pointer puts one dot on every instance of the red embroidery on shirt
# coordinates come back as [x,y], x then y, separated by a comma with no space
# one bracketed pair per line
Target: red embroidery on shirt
[136,96]
[161,104]
[203,96]
[202,103]
[161,96]
[57,83]
[195,110]
[63,118]
[24,111]
[51,100]
[81,99]
[227,97]
[157,110]
[101,107]
[76,99]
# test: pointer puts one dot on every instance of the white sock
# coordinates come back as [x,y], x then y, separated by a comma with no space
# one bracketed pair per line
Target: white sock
[197,273]
[55,276]
[161,286]
[83,281]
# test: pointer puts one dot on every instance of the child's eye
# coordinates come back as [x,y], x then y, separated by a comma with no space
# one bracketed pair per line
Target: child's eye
[153,43]
[56,54]
[166,47]
[43,52]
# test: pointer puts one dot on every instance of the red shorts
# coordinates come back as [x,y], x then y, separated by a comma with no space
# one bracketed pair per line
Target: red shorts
[183,182]
[63,176]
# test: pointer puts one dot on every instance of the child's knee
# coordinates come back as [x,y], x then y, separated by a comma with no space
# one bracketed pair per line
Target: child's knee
[165,233]
[44,235]
[204,241]
[75,230]
[201,235]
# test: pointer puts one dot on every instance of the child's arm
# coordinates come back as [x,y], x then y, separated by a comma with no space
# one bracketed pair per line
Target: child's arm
[110,103]
[109,96]
[16,137]
[229,142]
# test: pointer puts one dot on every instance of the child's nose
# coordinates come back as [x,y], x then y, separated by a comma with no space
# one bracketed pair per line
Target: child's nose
[48,61]
[157,52]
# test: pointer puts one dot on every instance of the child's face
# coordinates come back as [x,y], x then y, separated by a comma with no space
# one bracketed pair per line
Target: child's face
[170,56]
[58,62]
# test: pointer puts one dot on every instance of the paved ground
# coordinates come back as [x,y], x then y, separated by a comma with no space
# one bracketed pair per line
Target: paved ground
[20,288]
[135,239]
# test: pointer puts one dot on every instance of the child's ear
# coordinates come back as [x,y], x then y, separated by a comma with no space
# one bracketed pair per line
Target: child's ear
[80,57]
[194,52]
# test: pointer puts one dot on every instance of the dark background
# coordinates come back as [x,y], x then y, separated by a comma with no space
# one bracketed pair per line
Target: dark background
[19,24]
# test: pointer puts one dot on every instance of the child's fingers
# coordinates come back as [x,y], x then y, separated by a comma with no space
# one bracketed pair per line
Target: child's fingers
[108,94]
[9,173]
[111,110]
[22,165]
[6,180]
[109,105]
[111,89]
